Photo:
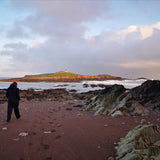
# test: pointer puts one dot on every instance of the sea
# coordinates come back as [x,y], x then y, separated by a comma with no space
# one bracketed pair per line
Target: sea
[80,87]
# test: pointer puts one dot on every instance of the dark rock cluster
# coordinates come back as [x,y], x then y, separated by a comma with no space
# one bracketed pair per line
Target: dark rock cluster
[148,94]
[117,101]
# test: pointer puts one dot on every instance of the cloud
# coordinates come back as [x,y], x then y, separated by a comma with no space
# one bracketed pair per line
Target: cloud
[128,49]
[115,53]
[53,39]
[67,11]
[145,31]
[60,19]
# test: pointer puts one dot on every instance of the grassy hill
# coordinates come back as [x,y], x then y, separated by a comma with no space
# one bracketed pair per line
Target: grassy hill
[62,76]
[66,75]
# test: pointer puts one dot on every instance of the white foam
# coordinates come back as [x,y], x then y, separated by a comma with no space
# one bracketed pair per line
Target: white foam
[73,85]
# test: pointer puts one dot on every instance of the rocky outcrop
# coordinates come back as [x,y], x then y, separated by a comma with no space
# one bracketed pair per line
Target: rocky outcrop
[148,94]
[117,101]
[141,143]
[108,99]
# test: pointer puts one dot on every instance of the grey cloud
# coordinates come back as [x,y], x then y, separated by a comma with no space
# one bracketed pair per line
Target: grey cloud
[18,31]
[62,19]
[67,11]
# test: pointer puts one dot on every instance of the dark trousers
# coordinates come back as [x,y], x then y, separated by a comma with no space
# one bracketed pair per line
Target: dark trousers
[12,105]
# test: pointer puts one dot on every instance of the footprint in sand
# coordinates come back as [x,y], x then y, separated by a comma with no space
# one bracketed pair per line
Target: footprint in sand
[45,146]
[58,137]
[30,144]
[53,130]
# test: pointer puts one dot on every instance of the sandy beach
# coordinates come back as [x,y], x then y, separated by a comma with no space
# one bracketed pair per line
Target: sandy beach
[59,131]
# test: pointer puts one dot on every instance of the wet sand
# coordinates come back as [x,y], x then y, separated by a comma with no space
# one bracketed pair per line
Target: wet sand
[59,131]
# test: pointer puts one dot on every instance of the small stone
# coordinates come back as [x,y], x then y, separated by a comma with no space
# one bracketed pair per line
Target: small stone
[47,132]
[16,139]
[59,125]
[98,147]
[4,128]
[115,143]
[80,114]
[23,134]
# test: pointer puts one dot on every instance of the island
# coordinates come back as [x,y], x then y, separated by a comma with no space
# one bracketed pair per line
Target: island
[62,76]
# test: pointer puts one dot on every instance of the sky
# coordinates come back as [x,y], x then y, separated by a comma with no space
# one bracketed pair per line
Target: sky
[116,37]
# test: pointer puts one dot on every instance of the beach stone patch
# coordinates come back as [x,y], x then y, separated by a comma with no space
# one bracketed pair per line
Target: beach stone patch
[141,143]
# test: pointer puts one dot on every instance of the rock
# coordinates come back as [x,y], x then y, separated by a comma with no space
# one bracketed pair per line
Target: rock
[80,114]
[23,134]
[47,132]
[148,94]
[85,85]
[139,109]
[107,100]
[115,100]
[16,139]
[117,113]
[140,143]
[4,128]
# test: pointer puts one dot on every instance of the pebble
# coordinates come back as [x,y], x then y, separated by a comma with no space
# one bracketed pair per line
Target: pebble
[23,134]
[47,132]
[16,139]
[58,125]
[79,114]
[115,143]
[98,147]
[4,128]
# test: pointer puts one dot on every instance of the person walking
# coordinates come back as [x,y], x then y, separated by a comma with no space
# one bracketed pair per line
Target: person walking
[13,101]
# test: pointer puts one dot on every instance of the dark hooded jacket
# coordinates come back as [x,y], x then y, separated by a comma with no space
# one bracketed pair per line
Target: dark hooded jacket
[13,94]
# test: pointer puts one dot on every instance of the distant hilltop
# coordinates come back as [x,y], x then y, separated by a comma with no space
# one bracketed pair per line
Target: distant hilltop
[62,76]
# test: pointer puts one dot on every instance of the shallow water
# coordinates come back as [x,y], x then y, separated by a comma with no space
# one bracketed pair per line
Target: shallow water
[78,86]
